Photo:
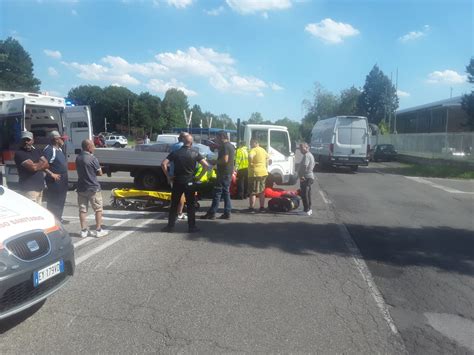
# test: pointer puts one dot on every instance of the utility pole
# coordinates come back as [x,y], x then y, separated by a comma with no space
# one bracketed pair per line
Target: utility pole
[105,124]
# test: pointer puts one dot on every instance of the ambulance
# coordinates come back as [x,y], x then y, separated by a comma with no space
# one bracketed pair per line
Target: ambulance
[39,114]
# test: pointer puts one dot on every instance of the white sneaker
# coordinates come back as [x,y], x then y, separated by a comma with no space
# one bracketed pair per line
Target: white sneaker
[84,233]
[309,213]
[100,233]
[183,217]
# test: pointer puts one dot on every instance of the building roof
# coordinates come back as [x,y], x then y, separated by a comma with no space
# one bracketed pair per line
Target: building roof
[455,101]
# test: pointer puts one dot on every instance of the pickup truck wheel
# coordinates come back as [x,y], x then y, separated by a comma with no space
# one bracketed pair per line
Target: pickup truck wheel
[147,180]
[117,145]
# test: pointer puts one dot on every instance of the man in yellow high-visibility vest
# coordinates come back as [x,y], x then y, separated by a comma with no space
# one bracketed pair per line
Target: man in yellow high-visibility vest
[241,166]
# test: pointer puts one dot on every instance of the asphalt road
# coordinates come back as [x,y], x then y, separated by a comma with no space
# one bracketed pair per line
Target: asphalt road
[272,282]
[417,238]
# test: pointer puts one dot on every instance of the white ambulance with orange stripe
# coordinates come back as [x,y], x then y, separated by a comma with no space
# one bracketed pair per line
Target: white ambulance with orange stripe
[39,114]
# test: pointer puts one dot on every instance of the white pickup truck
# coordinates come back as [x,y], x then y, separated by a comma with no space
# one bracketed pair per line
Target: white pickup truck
[145,166]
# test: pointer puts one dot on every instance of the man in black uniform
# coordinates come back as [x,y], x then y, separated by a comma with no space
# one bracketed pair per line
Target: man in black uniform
[184,160]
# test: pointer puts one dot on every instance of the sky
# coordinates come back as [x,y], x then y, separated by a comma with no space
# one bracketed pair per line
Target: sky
[243,56]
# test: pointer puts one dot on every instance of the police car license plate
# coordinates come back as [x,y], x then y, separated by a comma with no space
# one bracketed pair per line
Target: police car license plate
[48,272]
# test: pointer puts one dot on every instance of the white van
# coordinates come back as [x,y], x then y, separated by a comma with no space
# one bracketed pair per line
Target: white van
[341,141]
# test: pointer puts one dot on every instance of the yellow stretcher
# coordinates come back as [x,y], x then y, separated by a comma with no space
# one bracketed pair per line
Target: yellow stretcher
[141,199]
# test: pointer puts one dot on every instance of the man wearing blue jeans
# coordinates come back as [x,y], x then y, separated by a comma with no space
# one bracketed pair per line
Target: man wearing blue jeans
[225,168]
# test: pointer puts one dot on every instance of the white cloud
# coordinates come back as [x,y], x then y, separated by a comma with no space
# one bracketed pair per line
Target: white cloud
[74,12]
[215,12]
[161,86]
[98,72]
[179,4]
[275,87]
[331,31]
[217,68]
[52,71]
[401,93]
[414,35]
[53,54]
[246,7]
[446,77]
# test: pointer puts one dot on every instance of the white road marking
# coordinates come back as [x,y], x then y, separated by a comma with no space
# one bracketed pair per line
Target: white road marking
[367,276]
[326,201]
[432,184]
[111,242]
[88,239]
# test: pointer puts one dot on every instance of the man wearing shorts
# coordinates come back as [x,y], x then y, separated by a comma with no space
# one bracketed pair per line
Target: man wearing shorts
[88,189]
[258,172]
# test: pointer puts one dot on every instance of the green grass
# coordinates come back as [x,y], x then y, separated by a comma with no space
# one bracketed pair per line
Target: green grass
[438,171]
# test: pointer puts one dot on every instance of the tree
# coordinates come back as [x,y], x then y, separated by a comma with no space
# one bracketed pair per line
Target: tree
[468,99]
[198,117]
[378,100]
[255,118]
[348,101]
[117,102]
[94,97]
[146,113]
[324,104]
[293,128]
[223,121]
[173,105]
[16,68]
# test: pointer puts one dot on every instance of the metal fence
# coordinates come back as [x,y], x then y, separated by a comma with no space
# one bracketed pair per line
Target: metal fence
[453,146]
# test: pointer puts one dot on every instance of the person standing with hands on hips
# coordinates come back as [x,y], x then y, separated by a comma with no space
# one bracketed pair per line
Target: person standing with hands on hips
[306,175]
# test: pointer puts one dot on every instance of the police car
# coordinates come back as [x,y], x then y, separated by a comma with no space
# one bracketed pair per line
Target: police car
[36,253]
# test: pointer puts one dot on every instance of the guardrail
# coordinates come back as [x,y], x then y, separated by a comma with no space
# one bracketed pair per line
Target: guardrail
[451,146]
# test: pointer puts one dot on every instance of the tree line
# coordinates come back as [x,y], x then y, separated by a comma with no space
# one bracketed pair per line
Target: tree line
[147,113]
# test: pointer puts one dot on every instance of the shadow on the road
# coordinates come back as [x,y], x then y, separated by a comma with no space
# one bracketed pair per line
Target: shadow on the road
[13,321]
[444,248]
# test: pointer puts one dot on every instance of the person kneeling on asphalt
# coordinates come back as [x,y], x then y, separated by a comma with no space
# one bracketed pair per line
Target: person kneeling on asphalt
[184,160]
[88,189]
